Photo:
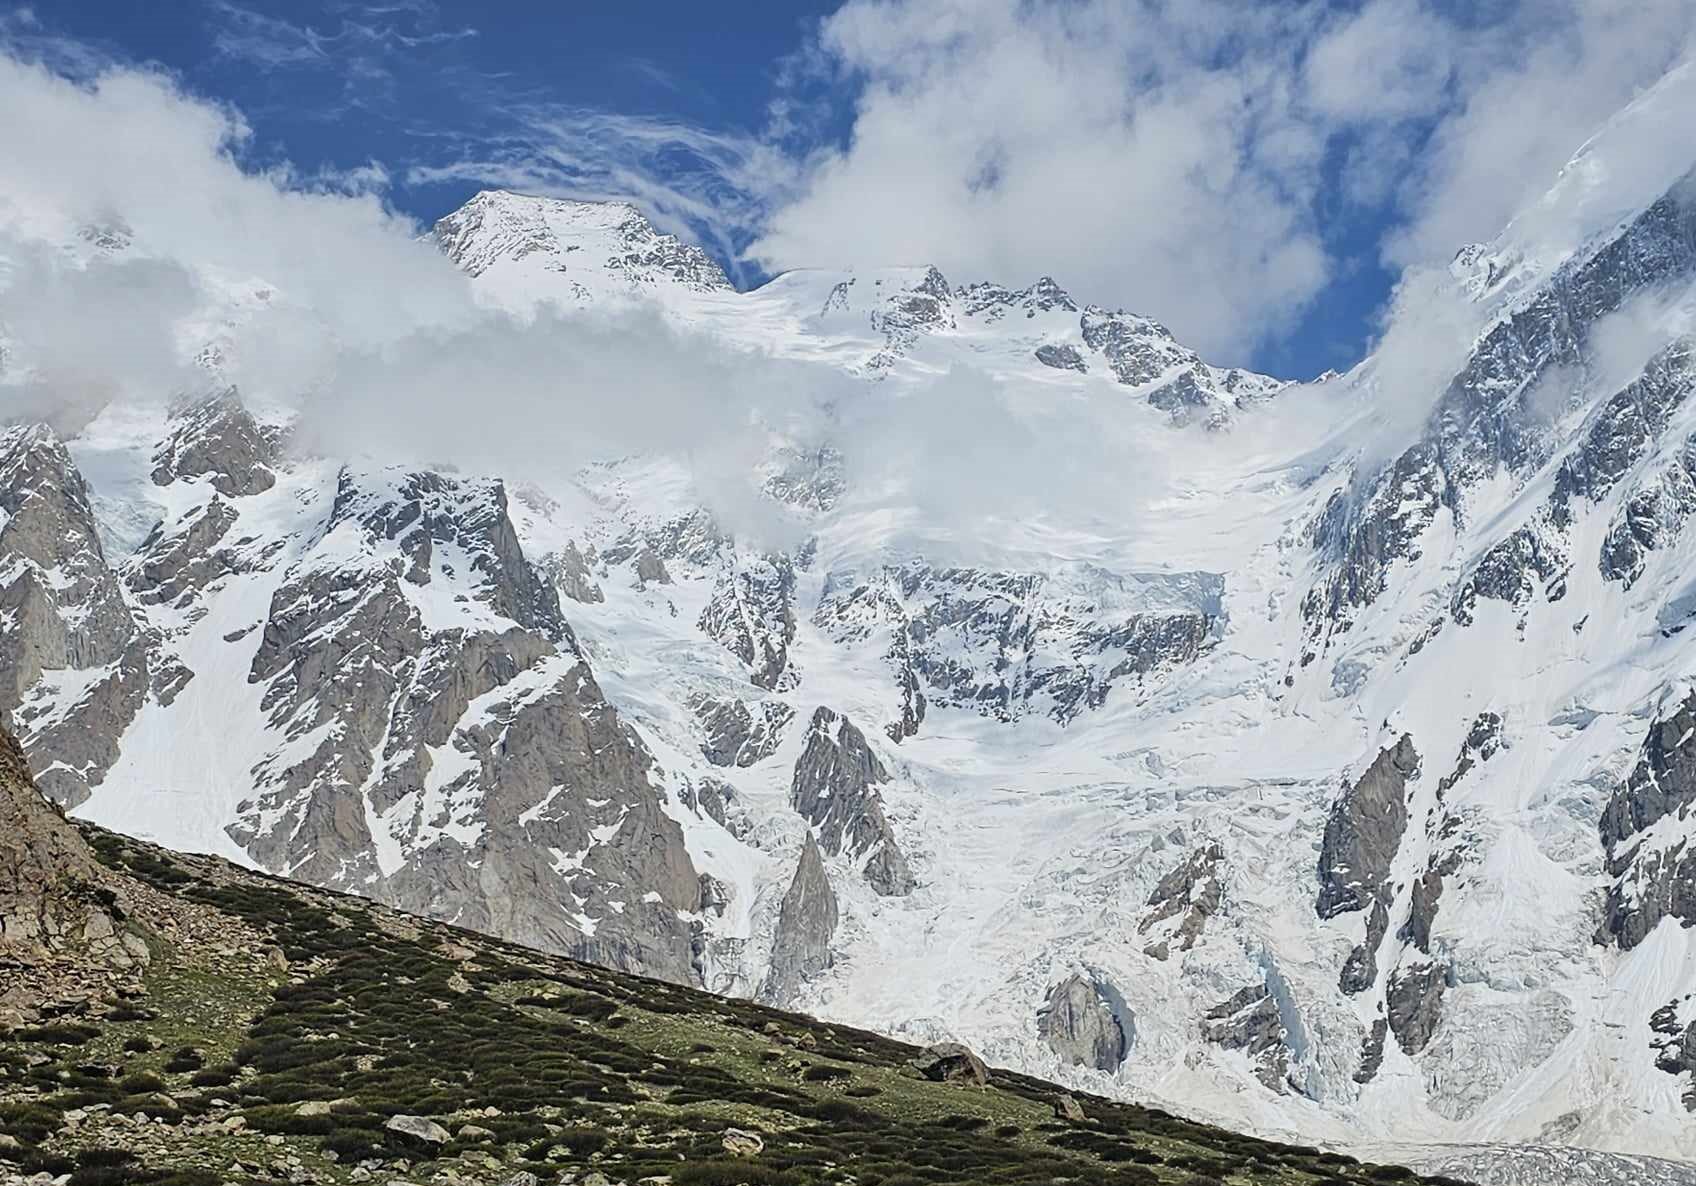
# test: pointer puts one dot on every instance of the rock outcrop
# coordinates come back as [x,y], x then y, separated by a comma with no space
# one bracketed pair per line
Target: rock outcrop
[1005,644]
[73,662]
[740,734]
[1415,999]
[805,924]
[835,790]
[497,787]
[1250,1021]
[1362,835]
[1081,1023]
[60,910]
[1183,901]
[217,439]
[752,613]
[1652,880]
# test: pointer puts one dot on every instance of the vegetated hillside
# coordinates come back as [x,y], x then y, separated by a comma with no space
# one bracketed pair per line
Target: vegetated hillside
[273,1032]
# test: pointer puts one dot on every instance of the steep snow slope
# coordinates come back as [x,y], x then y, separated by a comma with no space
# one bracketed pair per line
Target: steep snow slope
[1330,777]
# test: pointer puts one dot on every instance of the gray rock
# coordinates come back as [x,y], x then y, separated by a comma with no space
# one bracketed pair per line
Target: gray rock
[1646,887]
[740,734]
[544,765]
[752,614]
[418,1130]
[1140,351]
[1066,1107]
[1251,1022]
[1372,1052]
[1191,893]
[1001,644]
[1415,999]
[1061,357]
[835,790]
[64,609]
[572,573]
[739,1142]
[805,924]
[991,302]
[950,1062]
[1674,1046]
[48,884]
[217,439]
[1363,832]
[1080,1023]
[1360,969]
[1486,422]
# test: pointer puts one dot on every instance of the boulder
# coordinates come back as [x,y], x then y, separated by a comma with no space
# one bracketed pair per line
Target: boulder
[739,1142]
[950,1062]
[1066,1107]
[418,1130]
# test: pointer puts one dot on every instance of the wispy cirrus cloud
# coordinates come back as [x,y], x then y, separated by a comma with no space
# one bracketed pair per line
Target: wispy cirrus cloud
[359,41]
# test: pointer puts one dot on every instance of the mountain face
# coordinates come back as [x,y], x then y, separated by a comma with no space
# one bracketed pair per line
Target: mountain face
[1340,791]
[248,1029]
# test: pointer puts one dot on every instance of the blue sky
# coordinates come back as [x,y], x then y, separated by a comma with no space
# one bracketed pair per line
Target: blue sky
[1256,176]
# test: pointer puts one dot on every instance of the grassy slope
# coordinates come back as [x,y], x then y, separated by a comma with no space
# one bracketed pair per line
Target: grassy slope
[568,1069]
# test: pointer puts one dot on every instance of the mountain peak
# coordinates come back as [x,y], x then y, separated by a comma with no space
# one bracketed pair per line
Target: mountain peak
[603,248]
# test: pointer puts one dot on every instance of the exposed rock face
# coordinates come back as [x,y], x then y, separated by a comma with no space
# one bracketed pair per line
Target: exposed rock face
[1250,1021]
[1143,353]
[572,573]
[752,612]
[56,902]
[178,560]
[805,924]
[1004,643]
[811,479]
[1372,1051]
[1184,900]
[1643,831]
[1362,836]
[496,227]
[219,440]
[991,302]
[1415,998]
[835,790]
[1448,845]
[1674,1044]
[1061,357]
[62,603]
[907,313]
[1360,969]
[1364,831]
[740,734]
[1081,1025]
[493,783]
[1487,422]
[73,663]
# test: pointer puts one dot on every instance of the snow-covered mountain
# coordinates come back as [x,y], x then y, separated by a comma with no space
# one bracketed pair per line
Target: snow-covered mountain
[1340,792]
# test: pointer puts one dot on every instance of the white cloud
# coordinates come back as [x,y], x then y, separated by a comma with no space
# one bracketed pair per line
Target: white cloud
[1134,152]
[1530,90]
